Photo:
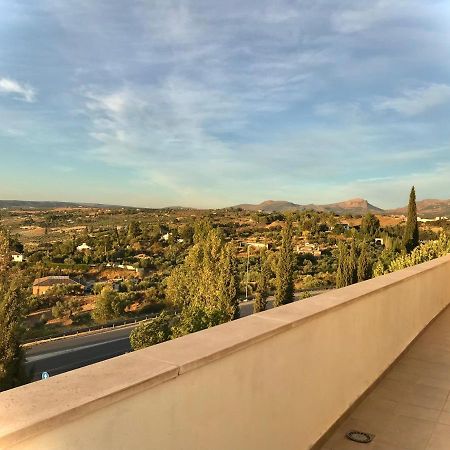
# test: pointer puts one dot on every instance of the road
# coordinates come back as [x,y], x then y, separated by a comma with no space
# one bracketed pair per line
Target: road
[67,354]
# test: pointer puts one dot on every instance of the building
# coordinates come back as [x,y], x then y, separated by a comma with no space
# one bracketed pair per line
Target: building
[83,247]
[16,257]
[42,285]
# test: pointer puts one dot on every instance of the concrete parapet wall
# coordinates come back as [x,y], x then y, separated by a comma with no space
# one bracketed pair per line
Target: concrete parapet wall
[277,380]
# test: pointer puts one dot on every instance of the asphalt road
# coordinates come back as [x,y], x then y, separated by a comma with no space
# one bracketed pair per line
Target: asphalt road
[71,353]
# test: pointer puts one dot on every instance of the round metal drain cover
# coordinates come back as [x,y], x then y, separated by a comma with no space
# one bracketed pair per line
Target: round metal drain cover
[359,436]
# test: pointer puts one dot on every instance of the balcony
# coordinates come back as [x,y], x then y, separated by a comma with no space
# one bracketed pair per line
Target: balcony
[295,377]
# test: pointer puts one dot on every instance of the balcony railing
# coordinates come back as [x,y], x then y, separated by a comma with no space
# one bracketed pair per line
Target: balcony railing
[276,380]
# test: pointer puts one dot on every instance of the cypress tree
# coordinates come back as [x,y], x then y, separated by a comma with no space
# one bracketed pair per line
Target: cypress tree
[347,270]
[364,264]
[411,236]
[262,288]
[12,373]
[353,264]
[5,249]
[228,283]
[285,268]
[341,273]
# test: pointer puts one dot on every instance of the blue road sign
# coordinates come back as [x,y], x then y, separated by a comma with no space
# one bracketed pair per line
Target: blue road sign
[45,375]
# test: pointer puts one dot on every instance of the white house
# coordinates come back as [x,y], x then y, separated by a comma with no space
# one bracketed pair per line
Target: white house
[83,247]
[16,257]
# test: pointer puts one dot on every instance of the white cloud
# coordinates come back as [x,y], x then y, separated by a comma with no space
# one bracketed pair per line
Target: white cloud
[417,101]
[23,91]
[365,15]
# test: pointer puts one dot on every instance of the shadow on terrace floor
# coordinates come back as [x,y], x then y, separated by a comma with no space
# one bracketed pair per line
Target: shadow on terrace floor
[409,409]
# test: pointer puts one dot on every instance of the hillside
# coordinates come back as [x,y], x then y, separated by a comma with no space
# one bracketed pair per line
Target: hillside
[353,206]
[270,206]
[31,204]
[427,208]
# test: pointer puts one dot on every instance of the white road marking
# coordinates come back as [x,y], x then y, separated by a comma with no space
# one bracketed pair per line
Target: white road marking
[30,359]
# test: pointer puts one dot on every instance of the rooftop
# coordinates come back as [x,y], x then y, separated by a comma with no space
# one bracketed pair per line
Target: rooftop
[52,280]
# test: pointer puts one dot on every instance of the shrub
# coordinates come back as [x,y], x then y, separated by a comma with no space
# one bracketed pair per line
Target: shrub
[151,332]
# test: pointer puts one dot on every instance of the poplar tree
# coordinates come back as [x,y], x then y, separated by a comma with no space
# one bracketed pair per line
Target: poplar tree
[411,235]
[347,270]
[364,263]
[353,264]
[262,286]
[205,287]
[285,268]
[342,273]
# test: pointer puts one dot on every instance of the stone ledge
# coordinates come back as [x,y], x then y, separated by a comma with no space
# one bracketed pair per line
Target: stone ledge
[37,407]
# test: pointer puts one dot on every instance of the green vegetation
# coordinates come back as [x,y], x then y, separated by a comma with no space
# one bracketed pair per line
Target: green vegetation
[424,252]
[370,225]
[205,287]
[108,305]
[152,332]
[263,284]
[187,266]
[411,235]
[285,268]
[11,356]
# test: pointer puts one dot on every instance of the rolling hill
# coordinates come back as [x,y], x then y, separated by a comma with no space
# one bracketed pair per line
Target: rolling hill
[429,208]
[32,204]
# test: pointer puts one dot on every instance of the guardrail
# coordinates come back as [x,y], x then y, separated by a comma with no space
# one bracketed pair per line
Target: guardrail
[105,326]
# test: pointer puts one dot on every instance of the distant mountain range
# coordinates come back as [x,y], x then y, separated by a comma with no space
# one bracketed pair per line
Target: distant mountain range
[428,208]
[425,208]
[353,206]
[31,204]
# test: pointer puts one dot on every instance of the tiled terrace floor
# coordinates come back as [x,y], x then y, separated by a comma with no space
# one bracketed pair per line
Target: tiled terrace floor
[410,407]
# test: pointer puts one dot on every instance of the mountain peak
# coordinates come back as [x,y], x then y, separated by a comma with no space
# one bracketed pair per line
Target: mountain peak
[353,206]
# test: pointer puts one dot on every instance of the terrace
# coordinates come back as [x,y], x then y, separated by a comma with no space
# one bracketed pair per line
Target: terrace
[295,377]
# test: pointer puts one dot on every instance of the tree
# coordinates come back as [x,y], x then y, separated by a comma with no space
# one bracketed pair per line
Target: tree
[353,263]
[262,287]
[285,268]
[411,235]
[204,287]
[66,309]
[134,230]
[151,332]
[108,305]
[370,225]
[364,263]
[424,252]
[12,373]
[347,270]
[228,283]
[5,249]
[342,273]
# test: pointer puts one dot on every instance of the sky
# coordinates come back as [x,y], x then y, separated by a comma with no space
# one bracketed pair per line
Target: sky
[210,103]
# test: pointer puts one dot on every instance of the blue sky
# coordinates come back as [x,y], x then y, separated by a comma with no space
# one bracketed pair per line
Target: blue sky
[213,103]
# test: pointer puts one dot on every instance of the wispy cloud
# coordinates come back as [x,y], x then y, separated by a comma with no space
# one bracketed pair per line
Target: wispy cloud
[21,91]
[417,101]
[204,103]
